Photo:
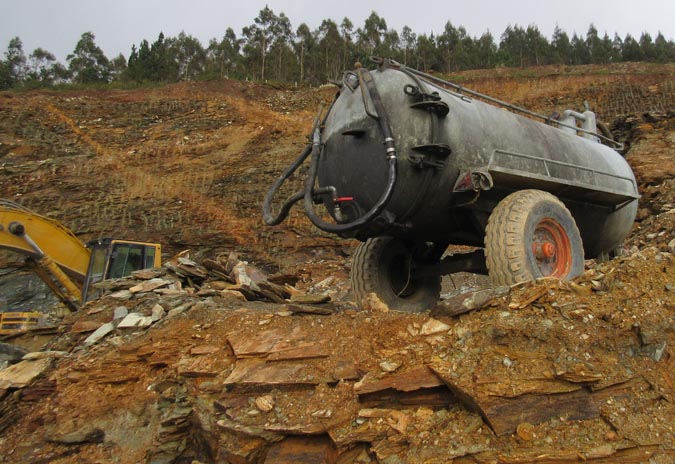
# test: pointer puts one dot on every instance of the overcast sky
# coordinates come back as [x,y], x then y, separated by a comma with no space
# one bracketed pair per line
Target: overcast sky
[56,25]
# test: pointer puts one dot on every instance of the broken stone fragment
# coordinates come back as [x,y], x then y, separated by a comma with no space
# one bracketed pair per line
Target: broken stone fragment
[84,326]
[265,403]
[322,311]
[196,367]
[204,292]
[310,299]
[388,366]
[122,295]
[99,333]
[187,266]
[656,350]
[248,276]
[178,310]
[150,285]
[217,285]
[157,313]
[147,274]
[433,326]
[233,294]
[170,291]
[372,303]
[87,434]
[135,320]
[45,355]
[470,301]
[23,373]
[120,312]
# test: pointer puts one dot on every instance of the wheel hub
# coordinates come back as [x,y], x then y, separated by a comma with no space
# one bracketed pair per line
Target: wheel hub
[551,248]
[545,250]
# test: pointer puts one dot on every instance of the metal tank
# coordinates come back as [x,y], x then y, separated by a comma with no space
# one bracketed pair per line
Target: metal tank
[410,164]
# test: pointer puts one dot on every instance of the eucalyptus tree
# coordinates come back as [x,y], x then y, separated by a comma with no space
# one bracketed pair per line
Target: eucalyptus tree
[561,49]
[513,46]
[304,46]
[13,68]
[485,51]
[43,69]
[371,36]
[259,37]
[331,48]
[281,46]
[188,54]
[223,58]
[88,64]
[631,49]
[580,52]
[347,33]
[426,52]
[538,48]
[647,47]
[408,41]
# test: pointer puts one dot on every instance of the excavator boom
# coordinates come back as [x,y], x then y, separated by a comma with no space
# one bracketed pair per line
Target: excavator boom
[55,240]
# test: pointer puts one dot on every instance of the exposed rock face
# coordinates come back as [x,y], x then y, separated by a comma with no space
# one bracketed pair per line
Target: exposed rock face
[24,291]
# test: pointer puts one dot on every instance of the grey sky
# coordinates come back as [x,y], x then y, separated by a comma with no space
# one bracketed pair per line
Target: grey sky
[56,25]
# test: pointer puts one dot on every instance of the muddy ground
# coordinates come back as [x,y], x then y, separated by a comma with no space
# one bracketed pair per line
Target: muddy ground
[548,372]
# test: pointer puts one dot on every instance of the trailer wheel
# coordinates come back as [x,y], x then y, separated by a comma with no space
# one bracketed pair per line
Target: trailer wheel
[384,266]
[532,234]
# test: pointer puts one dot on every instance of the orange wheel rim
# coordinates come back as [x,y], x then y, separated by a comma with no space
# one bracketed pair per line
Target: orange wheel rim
[551,249]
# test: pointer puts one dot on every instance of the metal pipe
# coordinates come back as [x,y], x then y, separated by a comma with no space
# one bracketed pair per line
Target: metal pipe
[504,104]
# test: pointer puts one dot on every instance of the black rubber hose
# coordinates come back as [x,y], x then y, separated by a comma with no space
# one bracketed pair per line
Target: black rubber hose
[385,128]
[269,218]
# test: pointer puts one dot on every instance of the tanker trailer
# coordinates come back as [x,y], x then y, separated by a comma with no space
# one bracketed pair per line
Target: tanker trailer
[409,164]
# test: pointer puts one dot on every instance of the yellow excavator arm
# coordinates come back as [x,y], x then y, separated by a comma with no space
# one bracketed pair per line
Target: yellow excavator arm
[62,261]
[18,226]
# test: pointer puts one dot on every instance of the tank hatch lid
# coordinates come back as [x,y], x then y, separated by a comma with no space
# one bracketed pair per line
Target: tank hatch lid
[510,169]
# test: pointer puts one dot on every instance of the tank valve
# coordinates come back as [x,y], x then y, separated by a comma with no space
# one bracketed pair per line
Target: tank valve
[337,209]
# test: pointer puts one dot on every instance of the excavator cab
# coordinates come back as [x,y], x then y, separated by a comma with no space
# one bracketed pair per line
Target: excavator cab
[112,259]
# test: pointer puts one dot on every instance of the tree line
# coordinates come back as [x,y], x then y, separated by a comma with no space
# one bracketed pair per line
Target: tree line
[269,49]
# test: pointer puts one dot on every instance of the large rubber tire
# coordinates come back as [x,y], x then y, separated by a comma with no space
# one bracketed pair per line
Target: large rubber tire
[531,234]
[382,266]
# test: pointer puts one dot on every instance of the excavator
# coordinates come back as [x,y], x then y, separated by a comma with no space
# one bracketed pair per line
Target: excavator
[62,261]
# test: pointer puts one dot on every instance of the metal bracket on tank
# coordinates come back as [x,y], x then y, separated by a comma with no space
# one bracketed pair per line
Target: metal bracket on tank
[426,158]
[427,101]
[422,161]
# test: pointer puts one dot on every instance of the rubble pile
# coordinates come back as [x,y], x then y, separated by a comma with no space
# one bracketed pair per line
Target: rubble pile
[201,375]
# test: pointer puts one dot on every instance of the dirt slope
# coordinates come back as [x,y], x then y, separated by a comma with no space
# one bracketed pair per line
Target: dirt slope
[548,372]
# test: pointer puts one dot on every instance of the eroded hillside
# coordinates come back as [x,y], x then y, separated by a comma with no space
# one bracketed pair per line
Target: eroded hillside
[213,371]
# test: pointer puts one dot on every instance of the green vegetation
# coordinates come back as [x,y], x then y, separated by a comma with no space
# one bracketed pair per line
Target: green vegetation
[268,49]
